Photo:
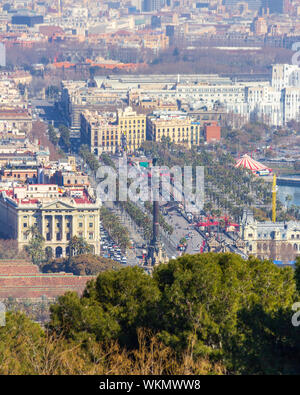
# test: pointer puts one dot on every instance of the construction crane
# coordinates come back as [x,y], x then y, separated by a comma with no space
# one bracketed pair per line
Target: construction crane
[274,191]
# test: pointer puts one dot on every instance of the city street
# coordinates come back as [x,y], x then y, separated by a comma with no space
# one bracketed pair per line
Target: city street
[181,229]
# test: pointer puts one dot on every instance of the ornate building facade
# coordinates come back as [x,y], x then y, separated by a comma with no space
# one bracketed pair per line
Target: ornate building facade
[278,241]
[58,218]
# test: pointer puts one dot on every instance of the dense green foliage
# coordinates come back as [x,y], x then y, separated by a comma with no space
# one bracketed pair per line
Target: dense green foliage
[142,220]
[53,137]
[218,308]
[218,304]
[107,160]
[36,246]
[64,140]
[227,188]
[89,158]
[78,246]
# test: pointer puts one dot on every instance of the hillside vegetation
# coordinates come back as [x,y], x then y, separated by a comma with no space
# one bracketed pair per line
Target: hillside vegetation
[206,313]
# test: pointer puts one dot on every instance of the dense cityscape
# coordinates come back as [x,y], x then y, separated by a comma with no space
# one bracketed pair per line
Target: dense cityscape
[113,260]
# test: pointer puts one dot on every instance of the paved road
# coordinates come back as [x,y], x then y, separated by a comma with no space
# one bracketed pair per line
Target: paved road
[181,228]
[47,111]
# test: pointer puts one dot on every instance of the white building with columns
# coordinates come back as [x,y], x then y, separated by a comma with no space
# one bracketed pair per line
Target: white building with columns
[58,218]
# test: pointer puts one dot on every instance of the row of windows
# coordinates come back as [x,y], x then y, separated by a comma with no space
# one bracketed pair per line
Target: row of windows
[265,247]
[173,136]
[133,121]
[134,132]
[59,236]
[49,189]
[75,182]
[112,144]
[47,195]
[297,236]
[16,175]
[91,224]
[80,224]
[173,129]
[283,236]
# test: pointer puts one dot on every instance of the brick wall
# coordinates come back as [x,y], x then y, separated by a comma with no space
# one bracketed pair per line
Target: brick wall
[21,279]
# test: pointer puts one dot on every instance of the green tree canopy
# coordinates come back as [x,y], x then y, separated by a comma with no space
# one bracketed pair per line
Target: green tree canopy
[36,246]
[218,305]
[121,300]
[78,246]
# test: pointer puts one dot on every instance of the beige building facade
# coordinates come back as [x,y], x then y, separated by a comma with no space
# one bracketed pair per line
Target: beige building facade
[278,241]
[57,218]
[170,125]
[109,133]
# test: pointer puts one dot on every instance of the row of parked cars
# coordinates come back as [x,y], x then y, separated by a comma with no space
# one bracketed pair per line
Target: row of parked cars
[109,249]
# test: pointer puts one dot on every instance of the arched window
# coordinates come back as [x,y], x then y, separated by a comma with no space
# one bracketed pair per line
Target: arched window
[58,252]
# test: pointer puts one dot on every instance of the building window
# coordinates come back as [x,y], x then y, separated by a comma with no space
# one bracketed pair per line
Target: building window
[90,224]
[91,236]
[80,224]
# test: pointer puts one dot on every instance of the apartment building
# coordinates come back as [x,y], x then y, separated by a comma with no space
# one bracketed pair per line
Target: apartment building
[15,121]
[18,152]
[174,125]
[291,104]
[275,102]
[132,126]
[18,174]
[285,75]
[265,102]
[77,97]
[112,132]
[210,94]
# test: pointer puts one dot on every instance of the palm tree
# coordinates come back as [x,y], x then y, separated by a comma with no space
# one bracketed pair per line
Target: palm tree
[78,246]
[35,247]
[288,199]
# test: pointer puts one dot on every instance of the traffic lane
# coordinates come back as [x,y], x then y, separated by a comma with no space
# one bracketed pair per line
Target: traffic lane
[181,229]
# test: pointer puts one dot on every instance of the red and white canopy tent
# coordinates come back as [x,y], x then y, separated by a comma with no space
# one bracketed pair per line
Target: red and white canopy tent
[249,163]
